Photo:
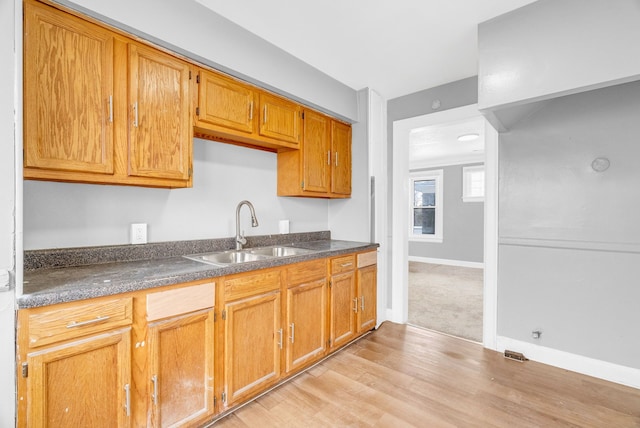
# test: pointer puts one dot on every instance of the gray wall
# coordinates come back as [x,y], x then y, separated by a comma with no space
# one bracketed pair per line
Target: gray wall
[71,214]
[569,254]
[463,224]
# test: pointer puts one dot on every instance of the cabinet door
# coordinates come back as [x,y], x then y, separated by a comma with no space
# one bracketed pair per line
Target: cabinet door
[160,128]
[224,102]
[181,381]
[367,298]
[253,342]
[316,152]
[68,104]
[343,308]
[341,151]
[84,383]
[280,119]
[306,323]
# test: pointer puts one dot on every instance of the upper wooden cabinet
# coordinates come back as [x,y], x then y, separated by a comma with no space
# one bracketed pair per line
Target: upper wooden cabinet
[224,105]
[234,112]
[68,93]
[280,119]
[100,108]
[160,129]
[322,166]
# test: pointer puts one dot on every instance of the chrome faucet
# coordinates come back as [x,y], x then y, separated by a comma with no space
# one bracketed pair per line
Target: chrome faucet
[241,240]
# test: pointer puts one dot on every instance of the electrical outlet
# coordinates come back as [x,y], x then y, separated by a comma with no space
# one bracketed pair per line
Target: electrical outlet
[139,233]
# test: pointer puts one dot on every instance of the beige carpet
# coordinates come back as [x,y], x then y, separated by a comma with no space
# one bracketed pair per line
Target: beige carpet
[446,299]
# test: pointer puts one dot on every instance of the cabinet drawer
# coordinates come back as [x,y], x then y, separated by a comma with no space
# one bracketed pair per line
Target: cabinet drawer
[75,320]
[306,271]
[367,259]
[246,285]
[164,304]
[343,264]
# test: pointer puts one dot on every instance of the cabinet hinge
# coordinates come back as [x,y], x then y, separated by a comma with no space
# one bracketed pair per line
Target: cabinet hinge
[190,172]
[223,397]
[215,401]
[189,74]
[330,283]
[197,111]
[224,315]
[302,185]
[25,369]
[215,318]
[302,115]
[198,78]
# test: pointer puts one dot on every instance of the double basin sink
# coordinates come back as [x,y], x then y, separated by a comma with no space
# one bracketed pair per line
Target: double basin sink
[231,257]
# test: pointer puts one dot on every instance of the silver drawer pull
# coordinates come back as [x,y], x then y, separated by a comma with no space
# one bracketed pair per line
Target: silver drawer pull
[96,320]
[346,264]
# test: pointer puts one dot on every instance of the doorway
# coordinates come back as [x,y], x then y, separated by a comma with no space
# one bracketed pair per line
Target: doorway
[400,224]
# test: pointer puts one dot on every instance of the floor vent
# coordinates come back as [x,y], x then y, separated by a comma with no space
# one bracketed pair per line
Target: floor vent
[516,356]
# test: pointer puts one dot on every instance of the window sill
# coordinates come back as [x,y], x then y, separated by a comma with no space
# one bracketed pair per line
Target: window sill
[426,239]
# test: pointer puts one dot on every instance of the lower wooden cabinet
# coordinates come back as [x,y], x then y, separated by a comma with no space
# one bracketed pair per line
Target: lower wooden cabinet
[306,314]
[178,356]
[181,367]
[253,336]
[86,382]
[74,364]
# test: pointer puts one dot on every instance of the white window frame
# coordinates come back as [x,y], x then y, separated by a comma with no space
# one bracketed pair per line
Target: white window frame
[467,171]
[438,176]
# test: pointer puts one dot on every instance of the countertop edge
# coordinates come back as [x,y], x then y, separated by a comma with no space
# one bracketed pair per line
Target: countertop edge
[94,285]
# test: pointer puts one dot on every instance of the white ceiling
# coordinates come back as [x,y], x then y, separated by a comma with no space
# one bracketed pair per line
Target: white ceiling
[394,47]
[438,145]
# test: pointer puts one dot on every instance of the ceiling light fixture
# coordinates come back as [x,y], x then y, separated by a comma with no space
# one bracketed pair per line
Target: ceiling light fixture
[468,137]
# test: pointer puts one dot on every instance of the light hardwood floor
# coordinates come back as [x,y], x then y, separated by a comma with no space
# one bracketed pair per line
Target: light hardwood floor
[404,376]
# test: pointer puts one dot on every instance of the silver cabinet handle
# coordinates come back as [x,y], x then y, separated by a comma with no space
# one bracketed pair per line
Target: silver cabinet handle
[251,110]
[329,157]
[362,303]
[280,341]
[95,320]
[135,114]
[336,158]
[355,305]
[346,264]
[111,108]
[154,380]
[127,399]
[293,332]
[264,115]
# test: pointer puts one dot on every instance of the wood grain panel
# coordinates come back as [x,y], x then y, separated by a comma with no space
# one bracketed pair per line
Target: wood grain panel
[341,150]
[280,118]
[316,152]
[181,354]
[367,298]
[68,74]
[160,126]
[367,259]
[51,324]
[306,271]
[306,324]
[343,264]
[168,303]
[252,346]
[343,307]
[225,102]
[81,383]
[244,285]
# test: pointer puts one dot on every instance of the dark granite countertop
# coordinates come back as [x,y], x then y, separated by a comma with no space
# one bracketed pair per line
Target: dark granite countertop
[65,275]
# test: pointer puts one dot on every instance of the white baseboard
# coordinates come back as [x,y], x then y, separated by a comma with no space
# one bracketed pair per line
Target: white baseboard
[573,362]
[447,262]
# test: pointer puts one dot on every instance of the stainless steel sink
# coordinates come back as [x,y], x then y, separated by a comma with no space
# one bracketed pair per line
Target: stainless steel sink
[278,251]
[230,257]
[227,257]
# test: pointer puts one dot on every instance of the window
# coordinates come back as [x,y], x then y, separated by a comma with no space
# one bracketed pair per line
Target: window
[473,183]
[426,206]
